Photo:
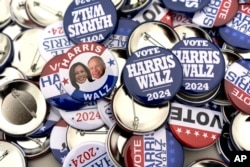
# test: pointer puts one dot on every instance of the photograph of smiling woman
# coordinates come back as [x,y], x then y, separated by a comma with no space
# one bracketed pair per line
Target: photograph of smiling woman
[79,74]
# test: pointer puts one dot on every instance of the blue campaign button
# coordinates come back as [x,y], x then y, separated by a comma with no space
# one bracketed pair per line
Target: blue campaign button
[203,64]
[119,38]
[90,21]
[237,33]
[52,88]
[152,75]
[185,5]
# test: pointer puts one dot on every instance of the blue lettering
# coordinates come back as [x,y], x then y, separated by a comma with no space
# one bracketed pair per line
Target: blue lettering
[44,80]
[240,81]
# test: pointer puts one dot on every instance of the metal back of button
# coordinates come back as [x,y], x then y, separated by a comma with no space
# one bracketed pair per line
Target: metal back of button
[152,33]
[116,141]
[23,107]
[76,136]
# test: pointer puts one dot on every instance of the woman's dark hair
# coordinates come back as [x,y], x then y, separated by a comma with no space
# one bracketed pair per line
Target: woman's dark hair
[72,74]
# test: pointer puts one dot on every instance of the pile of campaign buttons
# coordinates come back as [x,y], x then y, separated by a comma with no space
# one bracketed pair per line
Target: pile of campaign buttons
[123,82]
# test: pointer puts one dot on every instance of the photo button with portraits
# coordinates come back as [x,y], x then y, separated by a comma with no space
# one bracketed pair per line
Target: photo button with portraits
[88,72]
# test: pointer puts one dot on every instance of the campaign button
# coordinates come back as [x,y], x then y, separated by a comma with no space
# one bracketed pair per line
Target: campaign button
[52,89]
[186,5]
[90,21]
[85,118]
[154,11]
[88,154]
[152,33]
[119,38]
[134,117]
[216,13]
[119,3]
[236,32]
[10,74]
[53,41]
[229,113]
[58,143]
[200,124]
[12,155]
[236,82]
[180,19]
[88,72]
[152,75]
[204,162]
[202,62]
[161,145]
[5,17]
[238,132]
[46,12]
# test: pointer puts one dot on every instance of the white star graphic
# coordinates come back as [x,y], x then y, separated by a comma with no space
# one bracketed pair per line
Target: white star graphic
[205,135]
[213,137]
[188,131]
[179,130]
[196,133]
[43,128]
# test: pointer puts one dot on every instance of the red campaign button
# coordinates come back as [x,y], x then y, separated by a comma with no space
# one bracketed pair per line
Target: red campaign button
[196,127]
[237,87]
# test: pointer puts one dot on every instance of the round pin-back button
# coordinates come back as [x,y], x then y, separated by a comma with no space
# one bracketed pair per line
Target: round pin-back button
[27,57]
[185,6]
[6,51]
[52,89]
[19,14]
[135,117]
[152,33]
[115,144]
[53,41]
[162,141]
[200,124]
[216,13]
[236,83]
[235,33]
[202,62]
[131,6]
[105,111]
[32,147]
[88,72]
[90,21]
[46,12]
[85,118]
[12,155]
[238,129]
[76,136]
[51,119]
[58,143]
[205,162]
[119,38]
[180,18]
[88,154]
[154,11]
[10,74]
[5,17]
[23,108]
[152,75]
[191,30]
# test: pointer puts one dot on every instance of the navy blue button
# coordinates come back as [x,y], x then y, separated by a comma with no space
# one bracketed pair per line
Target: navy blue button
[185,6]
[152,75]
[203,64]
[89,21]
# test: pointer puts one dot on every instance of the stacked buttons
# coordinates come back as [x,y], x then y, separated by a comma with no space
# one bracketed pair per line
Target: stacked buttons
[124,83]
